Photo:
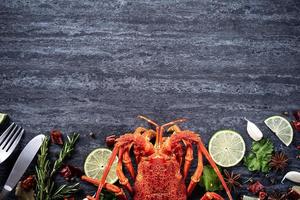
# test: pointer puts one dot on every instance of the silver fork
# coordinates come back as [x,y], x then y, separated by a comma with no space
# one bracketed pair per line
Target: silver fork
[9,140]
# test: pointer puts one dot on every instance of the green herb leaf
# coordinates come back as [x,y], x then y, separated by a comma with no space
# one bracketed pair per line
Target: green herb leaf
[42,172]
[45,177]
[65,191]
[259,158]
[210,180]
[64,153]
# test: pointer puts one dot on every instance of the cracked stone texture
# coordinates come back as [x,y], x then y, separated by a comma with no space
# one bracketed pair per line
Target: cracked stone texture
[93,66]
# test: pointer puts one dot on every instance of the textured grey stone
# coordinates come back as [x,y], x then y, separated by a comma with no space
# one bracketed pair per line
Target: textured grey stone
[95,65]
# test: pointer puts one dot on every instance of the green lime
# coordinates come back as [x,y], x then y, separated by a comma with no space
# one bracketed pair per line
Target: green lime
[3,118]
[96,162]
[281,127]
[249,198]
[227,148]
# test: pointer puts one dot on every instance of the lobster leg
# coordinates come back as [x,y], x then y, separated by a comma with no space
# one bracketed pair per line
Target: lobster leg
[109,187]
[178,151]
[188,159]
[194,138]
[115,189]
[138,131]
[149,134]
[106,171]
[122,178]
[125,140]
[175,128]
[127,162]
[213,164]
[197,174]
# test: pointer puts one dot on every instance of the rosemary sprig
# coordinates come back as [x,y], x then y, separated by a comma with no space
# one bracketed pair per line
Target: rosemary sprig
[64,153]
[42,171]
[45,183]
[65,191]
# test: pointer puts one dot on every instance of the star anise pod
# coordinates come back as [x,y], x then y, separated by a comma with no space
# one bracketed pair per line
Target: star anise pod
[232,180]
[279,161]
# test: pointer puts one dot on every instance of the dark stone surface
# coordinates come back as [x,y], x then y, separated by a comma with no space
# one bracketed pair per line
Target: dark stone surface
[95,65]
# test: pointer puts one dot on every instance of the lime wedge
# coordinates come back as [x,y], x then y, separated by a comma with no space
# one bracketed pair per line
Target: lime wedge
[96,162]
[227,148]
[3,118]
[281,127]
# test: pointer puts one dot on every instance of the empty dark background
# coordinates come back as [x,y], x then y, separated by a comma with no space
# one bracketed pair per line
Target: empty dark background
[93,66]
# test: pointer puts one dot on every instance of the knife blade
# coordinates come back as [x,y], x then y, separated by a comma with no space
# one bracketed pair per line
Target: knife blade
[22,163]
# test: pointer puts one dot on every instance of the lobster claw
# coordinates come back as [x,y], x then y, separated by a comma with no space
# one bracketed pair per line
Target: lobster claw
[211,196]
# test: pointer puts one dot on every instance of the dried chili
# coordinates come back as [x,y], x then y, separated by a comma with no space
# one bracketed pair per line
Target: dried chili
[296,125]
[69,171]
[256,187]
[28,183]
[110,140]
[56,137]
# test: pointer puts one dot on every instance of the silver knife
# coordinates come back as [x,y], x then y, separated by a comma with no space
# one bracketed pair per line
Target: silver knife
[22,163]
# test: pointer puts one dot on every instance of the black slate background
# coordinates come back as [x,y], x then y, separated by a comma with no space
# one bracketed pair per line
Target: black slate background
[93,66]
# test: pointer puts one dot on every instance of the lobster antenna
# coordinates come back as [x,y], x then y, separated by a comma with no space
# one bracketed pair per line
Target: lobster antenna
[148,120]
[174,122]
[160,129]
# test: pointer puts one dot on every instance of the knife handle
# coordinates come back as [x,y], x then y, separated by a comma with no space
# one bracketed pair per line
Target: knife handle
[4,193]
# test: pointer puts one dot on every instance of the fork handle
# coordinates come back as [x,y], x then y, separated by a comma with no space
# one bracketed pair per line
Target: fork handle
[4,193]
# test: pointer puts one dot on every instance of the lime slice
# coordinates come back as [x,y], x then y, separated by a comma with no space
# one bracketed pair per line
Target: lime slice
[3,118]
[227,148]
[281,127]
[96,162]
[249,198]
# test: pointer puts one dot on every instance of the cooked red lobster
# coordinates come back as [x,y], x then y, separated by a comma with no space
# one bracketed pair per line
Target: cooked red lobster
[158,166]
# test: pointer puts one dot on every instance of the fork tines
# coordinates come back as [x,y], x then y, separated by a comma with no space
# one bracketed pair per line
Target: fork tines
[11,137]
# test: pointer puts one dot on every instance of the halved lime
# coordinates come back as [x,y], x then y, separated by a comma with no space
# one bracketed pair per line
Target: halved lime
[3,118]
[227,148]
[96,162]
[281,127]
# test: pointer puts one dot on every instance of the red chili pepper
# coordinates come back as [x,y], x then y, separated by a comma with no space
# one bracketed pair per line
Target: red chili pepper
[28,183]
[69,171]
[296,125]
[110,140]
[262,195]
[297,115]
[256,187]
[56,137]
